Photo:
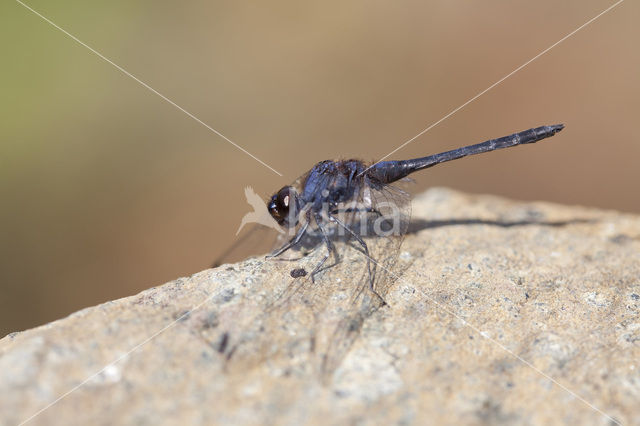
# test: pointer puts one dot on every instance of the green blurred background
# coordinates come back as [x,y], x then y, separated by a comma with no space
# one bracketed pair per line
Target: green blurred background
[107,189]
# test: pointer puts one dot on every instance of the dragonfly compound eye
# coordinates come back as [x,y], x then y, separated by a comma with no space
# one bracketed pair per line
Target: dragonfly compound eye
[280,205]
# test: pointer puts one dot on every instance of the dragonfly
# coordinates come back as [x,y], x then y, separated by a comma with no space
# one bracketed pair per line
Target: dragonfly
[334,196]
[341,204]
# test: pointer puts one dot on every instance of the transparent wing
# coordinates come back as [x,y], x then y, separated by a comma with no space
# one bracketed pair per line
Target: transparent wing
[386,211]
[255,240]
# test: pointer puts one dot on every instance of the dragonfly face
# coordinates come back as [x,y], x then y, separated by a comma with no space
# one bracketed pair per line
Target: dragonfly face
[284,206]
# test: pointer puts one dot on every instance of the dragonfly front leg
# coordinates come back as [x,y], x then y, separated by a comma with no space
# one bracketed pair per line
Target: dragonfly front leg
[295,240]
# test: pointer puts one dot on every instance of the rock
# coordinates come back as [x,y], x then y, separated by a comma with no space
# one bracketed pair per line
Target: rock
[502,312]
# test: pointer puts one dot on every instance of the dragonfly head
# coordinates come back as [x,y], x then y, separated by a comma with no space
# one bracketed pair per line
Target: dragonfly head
[284,206]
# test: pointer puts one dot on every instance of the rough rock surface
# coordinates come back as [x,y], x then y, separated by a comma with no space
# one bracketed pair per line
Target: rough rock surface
[503,312]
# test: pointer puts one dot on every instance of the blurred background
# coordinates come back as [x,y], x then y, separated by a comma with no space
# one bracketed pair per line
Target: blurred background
[107,189]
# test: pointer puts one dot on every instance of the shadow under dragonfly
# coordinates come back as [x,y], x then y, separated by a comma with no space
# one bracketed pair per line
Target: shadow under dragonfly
[418,225]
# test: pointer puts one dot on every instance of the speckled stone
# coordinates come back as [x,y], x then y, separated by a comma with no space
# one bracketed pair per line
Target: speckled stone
[503,312]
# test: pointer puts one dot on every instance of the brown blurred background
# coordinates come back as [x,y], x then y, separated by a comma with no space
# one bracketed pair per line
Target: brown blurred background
[108,190]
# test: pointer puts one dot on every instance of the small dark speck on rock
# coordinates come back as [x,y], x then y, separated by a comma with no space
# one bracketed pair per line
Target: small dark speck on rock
[221,344]
[635,296]
[225,295]
[228,294]
[211,321]
[620,239]
[298,272]
[341,394]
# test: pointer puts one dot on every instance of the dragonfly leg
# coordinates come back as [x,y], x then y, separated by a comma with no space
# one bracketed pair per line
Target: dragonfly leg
[330,249]
[295,240]
[371,271]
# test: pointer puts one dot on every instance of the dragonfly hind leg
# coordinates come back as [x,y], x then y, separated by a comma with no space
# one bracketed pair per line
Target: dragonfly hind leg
[330,250]
[371,271]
